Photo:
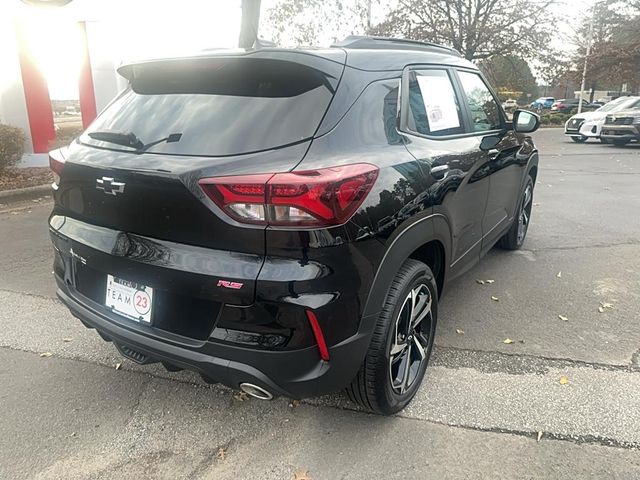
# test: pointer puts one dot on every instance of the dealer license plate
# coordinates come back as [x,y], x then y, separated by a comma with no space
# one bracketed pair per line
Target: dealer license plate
[129,299]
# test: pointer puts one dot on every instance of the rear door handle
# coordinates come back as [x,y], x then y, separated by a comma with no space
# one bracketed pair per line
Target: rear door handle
[439,171]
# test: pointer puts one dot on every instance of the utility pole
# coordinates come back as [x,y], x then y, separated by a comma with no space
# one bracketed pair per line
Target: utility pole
[249,23]
[586,57]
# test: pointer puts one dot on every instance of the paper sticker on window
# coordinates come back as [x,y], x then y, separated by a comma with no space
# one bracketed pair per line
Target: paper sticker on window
[439,101]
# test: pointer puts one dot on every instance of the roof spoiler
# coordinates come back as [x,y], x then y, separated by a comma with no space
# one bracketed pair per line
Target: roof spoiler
[373,43]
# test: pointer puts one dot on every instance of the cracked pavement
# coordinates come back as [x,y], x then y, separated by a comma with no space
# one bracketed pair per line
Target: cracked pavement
[477,415]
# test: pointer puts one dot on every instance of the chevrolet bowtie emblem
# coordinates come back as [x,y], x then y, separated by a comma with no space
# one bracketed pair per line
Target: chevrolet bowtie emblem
[109,186]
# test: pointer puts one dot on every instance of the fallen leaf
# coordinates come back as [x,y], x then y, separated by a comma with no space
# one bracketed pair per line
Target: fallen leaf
[46,354]
[540,433]
[495,299]
[459,331]
[294,403]
[521,341]
[559,275]
[481,282]
[118,365]
[563,318]
[536,204]
[490,281]
[601,309]
[241,396]
[564,380]
[301,475]
[606,305]
[507,341]
[73,434]
[67,339]
[222,453]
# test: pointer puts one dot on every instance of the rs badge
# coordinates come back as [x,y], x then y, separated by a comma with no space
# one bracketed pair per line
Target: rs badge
[228,284]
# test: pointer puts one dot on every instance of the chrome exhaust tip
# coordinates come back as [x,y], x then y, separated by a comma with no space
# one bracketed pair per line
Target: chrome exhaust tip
[256,391]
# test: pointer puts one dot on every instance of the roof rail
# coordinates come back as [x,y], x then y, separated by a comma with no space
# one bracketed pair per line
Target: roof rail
[369,42]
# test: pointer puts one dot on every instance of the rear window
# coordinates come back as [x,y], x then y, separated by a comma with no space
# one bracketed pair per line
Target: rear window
[221,106]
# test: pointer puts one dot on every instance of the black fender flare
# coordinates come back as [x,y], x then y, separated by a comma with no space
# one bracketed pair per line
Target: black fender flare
[401,245]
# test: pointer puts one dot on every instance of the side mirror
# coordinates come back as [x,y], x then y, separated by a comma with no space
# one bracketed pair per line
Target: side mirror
[525,122]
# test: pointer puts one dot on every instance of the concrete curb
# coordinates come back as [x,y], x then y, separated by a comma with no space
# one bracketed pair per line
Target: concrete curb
[28,193]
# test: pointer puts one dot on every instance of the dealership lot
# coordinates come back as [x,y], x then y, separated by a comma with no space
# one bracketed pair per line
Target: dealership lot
[569,303]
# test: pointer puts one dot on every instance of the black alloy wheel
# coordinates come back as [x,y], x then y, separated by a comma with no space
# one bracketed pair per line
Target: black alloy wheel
[514,238]
[401,344]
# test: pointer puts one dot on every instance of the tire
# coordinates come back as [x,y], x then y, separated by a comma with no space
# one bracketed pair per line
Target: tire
[383,385]
[604,140]
[514,238]
[580,139]
[620,143]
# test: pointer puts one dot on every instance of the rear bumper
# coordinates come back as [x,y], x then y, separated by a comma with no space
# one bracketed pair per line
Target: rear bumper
[293,373]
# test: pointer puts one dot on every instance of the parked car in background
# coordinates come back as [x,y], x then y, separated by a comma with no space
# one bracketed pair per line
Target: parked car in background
[509,104]
[303,248]
[565,105]
[622,127]
[542,102]
[587,125]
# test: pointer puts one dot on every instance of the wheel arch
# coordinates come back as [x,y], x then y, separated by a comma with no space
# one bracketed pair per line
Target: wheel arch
[532,168]
[428,240]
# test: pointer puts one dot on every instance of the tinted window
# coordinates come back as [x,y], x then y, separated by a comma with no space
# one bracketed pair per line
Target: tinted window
[220,106]
[433,105]
[485,113]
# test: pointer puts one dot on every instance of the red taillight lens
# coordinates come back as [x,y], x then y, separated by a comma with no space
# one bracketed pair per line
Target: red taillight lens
[56,163]
[314,198]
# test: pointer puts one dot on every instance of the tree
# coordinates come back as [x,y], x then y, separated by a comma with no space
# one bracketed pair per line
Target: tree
[615,53]
[510,73]
[479,29]
[314,22]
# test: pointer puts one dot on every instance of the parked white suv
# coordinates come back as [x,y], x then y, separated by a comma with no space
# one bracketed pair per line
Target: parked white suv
[586,125]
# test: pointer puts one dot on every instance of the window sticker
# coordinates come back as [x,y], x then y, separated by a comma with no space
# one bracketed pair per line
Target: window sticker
[440,102]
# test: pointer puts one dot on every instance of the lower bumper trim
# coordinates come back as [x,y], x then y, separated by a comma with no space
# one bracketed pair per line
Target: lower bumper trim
[294,374]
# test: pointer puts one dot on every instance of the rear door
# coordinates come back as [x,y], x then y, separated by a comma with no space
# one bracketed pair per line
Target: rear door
[502,166]
[438,135]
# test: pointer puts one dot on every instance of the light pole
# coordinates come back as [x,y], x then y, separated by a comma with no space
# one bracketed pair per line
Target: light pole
[586,57]
[249,23]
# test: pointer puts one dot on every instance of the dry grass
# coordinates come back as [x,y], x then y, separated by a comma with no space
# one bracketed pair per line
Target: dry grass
[11,178]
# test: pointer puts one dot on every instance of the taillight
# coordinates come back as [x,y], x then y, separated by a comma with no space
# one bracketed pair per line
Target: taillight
[56,163]
[312,198]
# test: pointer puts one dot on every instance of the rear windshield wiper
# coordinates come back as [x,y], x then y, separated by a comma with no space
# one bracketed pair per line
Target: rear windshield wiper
[131,140]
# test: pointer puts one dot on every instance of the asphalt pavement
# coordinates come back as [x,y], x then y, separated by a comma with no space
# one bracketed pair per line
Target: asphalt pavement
[562,400]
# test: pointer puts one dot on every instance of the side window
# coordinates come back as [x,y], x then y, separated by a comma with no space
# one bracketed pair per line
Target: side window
[433,105]
[485,112]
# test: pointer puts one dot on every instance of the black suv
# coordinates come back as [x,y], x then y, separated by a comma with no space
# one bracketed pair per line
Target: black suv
[284,221]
